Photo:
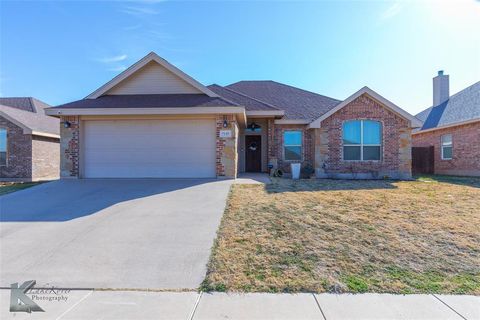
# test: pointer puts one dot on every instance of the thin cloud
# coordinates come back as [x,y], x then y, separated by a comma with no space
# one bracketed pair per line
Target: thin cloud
[160,34]
[113,58]
[139,11]
[135,27]
[117,69]
[146,1]
[149,1]
[391,11]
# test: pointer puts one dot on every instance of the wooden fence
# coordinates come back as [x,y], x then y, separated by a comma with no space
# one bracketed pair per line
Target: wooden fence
[423,160]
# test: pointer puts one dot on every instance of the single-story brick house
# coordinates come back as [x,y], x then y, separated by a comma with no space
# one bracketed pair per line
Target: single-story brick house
[153,120]
[452,127]
[29,141]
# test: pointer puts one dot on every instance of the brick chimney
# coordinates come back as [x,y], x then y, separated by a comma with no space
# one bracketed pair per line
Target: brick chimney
[441,91]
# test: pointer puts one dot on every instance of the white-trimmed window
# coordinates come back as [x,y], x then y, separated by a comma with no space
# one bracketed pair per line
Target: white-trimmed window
[362,140]
[292,145]
[447,149]
[3,147]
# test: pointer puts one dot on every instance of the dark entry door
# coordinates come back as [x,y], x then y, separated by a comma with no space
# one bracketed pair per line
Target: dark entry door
[253,153]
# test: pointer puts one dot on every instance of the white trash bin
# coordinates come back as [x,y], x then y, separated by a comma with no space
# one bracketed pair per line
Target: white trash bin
[295,170]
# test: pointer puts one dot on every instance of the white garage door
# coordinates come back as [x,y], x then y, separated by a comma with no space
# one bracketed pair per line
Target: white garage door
[149,149]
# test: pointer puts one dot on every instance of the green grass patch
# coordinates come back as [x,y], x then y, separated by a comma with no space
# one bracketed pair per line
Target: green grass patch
[356,284]
[7,187]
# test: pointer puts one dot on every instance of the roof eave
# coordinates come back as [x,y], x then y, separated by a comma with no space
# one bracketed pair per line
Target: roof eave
[264,113]
[461,123]
[58,111]
[45,134]
[292,121]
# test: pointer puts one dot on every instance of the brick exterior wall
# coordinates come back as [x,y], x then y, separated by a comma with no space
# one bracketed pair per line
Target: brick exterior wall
[29,158]
[19,153]
[46,158]
[465,145]
[396,155]
[276,149]
[69,147]
[226,148]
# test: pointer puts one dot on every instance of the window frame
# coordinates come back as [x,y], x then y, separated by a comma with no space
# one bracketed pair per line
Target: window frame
[293,145]
[361,144]
[6,147]
[442,146]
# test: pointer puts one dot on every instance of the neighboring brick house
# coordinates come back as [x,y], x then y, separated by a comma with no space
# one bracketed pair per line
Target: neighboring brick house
[452,128]
[29,141]
[153,120]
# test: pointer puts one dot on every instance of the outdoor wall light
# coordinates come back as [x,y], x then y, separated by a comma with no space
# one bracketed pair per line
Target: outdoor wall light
[225,123]
[253,126]
[66,124]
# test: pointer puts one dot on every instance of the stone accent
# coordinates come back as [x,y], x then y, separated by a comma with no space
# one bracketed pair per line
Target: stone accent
[69,147]
[307,143]
[226,148]
[405,151]
[321,152]
[271,155]
[466,149]
[46,158]
[396,155]
[19,153]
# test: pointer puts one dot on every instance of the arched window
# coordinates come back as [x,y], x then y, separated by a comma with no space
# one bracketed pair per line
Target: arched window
[362,140]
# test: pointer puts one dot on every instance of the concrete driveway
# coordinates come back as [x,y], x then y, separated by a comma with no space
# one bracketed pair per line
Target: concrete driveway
[111,233]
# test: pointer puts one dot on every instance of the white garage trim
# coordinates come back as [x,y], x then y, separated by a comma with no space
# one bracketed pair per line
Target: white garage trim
[148,148]
[238,111]
[147,111]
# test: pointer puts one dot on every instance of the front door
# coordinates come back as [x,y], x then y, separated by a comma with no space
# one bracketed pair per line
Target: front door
[253,153]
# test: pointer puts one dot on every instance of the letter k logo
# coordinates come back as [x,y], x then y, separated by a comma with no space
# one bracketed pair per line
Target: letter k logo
[19,302]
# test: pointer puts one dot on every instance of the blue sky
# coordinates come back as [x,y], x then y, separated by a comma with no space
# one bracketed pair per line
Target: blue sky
[62,51]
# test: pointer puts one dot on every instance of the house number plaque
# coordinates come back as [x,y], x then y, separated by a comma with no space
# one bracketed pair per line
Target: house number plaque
[225,133]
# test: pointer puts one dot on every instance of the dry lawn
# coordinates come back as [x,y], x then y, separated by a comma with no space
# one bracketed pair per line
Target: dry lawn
[350,236]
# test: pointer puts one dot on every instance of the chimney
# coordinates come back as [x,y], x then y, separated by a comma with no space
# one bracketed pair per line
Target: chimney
[441,91]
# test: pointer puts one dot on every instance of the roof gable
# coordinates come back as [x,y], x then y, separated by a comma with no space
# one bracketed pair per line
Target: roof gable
[414,122]
[152,75]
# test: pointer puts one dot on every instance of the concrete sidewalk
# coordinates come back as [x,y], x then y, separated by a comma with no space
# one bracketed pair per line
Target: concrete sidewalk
[118,305]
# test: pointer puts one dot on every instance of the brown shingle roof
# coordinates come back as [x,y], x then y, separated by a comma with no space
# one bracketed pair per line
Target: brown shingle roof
[149,101]
[297,103]
[24,103]
[34,121]
[249,103]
